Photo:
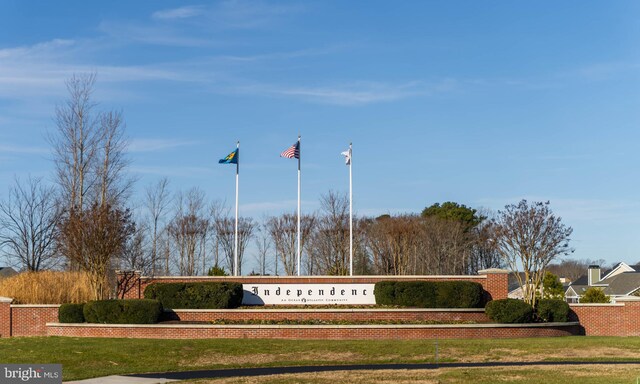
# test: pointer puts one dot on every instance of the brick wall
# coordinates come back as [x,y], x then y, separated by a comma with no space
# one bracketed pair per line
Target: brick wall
[494,281]
[31,320]
[619,319]
[475,315]
[405,332]
[5,317]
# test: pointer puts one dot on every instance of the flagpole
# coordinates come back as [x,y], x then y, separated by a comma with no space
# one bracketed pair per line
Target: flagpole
[299,156]
[350,212]
[235,249]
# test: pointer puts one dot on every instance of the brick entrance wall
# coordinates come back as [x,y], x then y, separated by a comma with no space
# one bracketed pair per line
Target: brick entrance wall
[355,315]
[132,285]
[619,319]
[336,332]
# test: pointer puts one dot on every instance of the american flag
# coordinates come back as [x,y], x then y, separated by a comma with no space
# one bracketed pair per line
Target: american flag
[292,152]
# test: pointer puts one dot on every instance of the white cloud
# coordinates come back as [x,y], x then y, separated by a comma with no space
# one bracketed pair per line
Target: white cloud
[36,73]
[244,14]
[608,70]
[151,34]
[357,93]
[178,13]
[161,29]
[47,47]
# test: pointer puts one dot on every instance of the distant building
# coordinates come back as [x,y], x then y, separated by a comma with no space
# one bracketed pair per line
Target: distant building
[7,272]
[515,290]
[620,281]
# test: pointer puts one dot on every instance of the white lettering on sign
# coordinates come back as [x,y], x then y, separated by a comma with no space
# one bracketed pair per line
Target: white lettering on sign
[308,294]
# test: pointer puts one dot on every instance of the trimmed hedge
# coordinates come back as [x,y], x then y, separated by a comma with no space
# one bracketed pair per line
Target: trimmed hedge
[550,310]
[509,311]
[430,294]
[207,295]
[131,311]
[460,294]
[71,313]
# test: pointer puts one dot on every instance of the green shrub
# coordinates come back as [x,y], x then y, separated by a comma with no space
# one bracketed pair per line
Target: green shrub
[132,311]
[509,311]
[551,310]
[595,295]
[207,295]
[71,313]
[385,292]
[459,294]
[430,294]
[217,271]
[421,294]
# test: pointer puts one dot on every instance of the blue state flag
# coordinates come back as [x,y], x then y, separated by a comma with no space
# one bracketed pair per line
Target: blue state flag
[231,158]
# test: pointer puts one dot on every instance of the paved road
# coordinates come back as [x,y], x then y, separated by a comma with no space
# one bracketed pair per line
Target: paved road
[153,378]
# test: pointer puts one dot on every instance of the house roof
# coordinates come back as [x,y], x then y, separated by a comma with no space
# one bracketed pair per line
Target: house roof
[582,280]
[621,267]
[7,271]
[619,284]
[622,284]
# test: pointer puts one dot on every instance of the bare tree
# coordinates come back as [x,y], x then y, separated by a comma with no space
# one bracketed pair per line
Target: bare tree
[133,255]
[28,225]
[484,253]
[530,236]
[165,250]
[75,144]
[89,154]
[572,269]
[216,209]
[225,233]
[157,200]
[113,186]
[263,246]
[283,232]
[445,247]
[188,230]
[329,242]
[393,242]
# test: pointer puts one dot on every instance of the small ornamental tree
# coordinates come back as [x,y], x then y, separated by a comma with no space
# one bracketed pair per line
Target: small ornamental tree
[595,295]
[528,236]
[552,287]
[92,238]
[216,270]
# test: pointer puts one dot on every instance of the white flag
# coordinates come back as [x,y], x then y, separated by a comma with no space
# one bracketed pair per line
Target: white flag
[347,156]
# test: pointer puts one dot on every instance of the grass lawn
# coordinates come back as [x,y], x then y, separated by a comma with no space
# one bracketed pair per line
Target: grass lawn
[84,358]
[594,374]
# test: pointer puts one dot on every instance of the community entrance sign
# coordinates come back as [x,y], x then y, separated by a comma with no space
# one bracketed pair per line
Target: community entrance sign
[308,294]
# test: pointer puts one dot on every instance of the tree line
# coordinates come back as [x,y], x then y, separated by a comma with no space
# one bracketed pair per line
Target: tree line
[84,221]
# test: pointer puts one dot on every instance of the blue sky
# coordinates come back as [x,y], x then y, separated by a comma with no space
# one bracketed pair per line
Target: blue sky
[482,103]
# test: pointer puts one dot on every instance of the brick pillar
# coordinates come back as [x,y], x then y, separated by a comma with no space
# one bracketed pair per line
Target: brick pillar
[497,283]
[5,316]
[128,284]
